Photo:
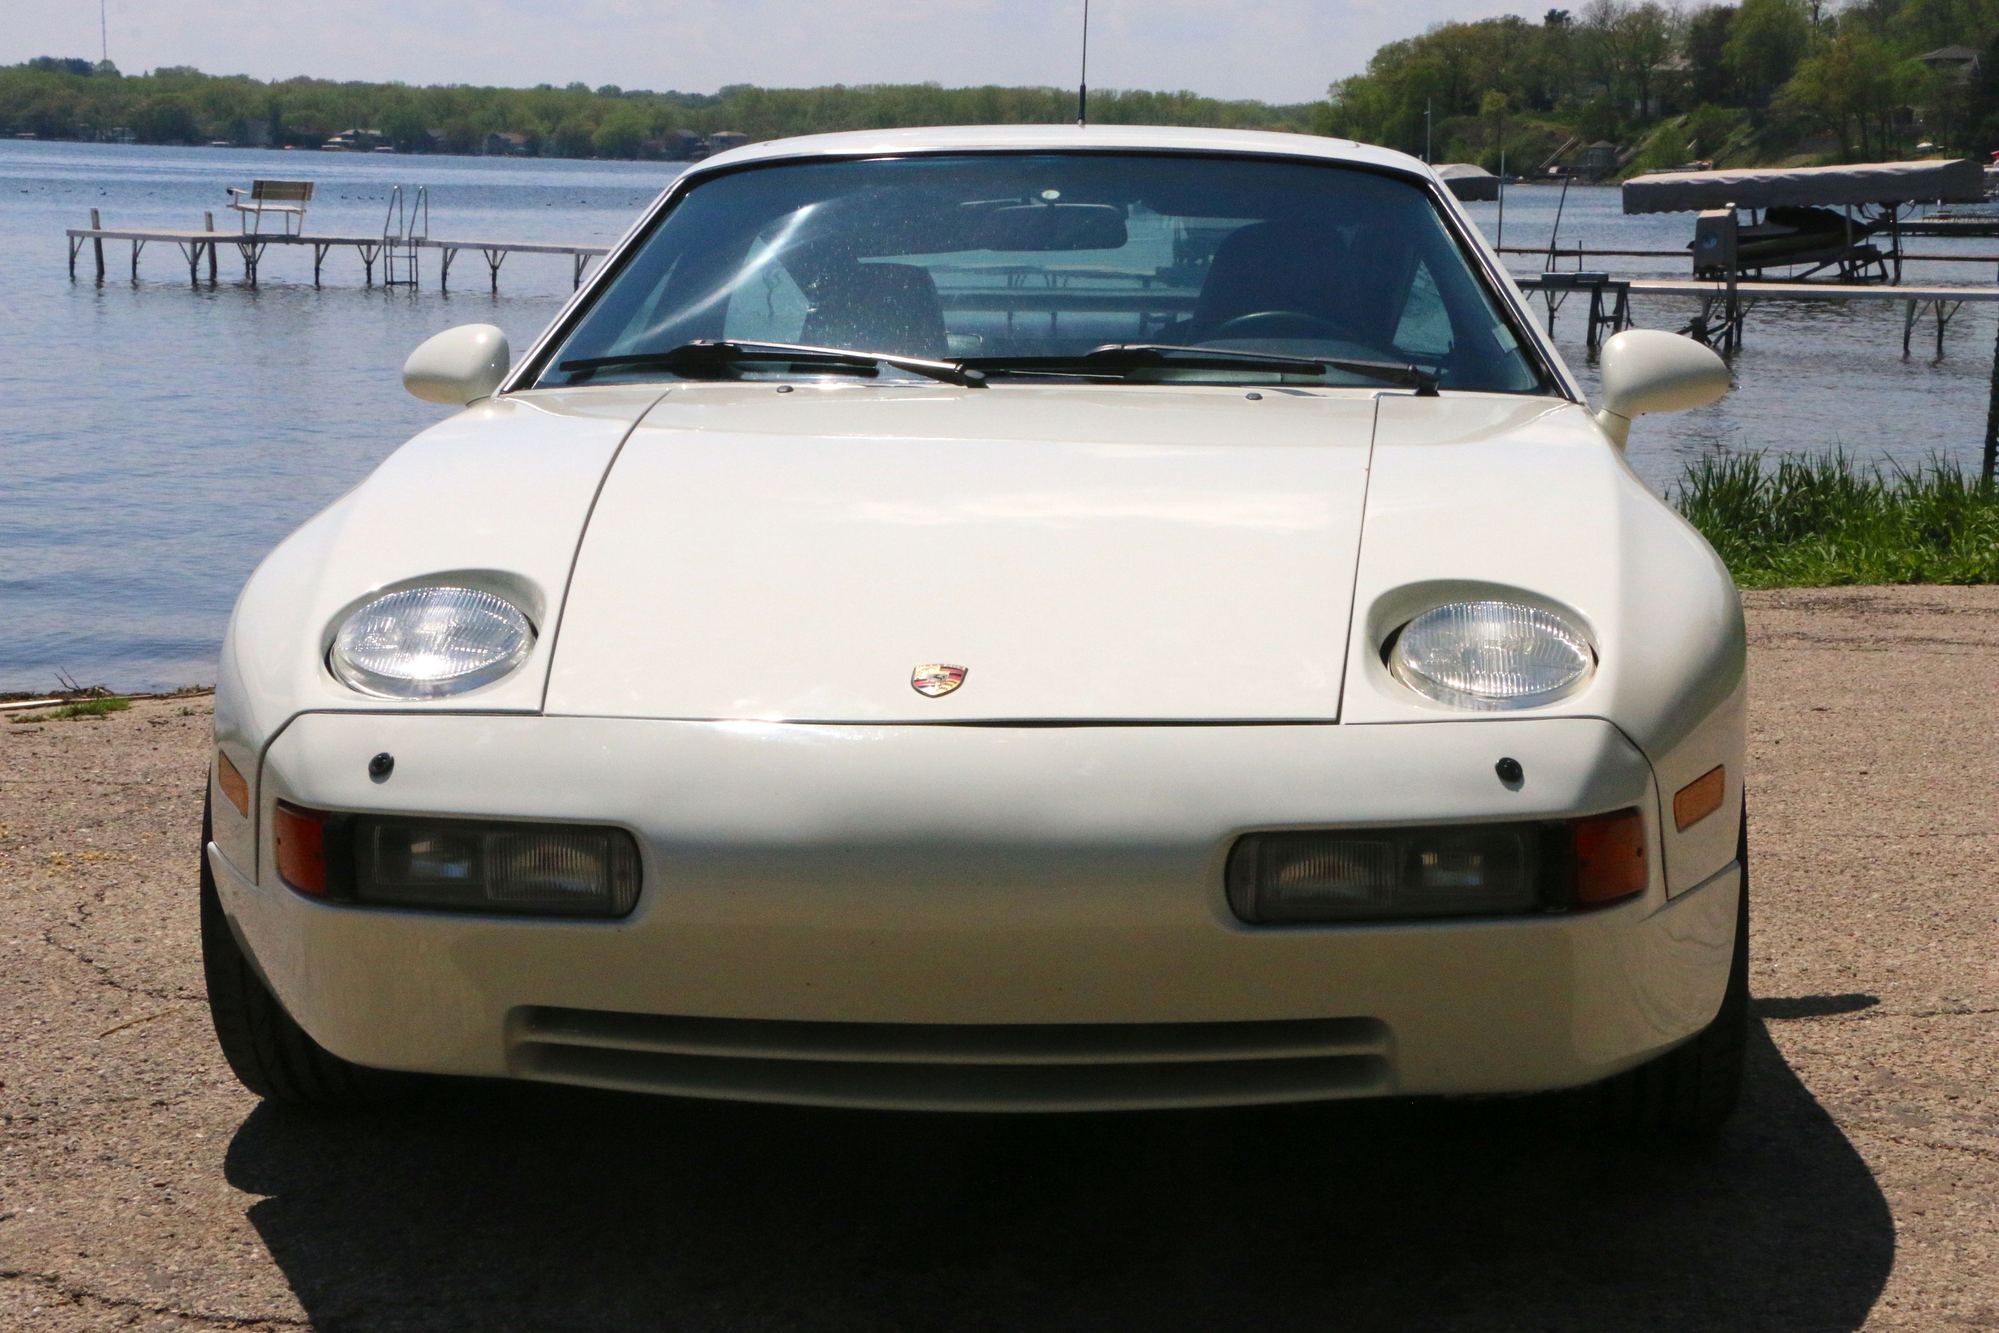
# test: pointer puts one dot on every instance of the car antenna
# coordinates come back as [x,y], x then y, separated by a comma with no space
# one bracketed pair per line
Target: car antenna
[1083,83]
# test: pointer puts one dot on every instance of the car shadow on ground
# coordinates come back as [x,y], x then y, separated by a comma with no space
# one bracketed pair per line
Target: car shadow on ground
[548,1208]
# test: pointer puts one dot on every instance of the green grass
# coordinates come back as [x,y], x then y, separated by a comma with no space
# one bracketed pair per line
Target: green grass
[1818,520]
[92,708]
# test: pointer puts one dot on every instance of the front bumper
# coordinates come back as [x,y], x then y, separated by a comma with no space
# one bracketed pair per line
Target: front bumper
[976,917]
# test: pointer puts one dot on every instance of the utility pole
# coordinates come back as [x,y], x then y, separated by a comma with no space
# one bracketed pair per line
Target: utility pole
[1426,129]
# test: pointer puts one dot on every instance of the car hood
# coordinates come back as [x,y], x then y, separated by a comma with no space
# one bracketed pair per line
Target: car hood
[1170,554]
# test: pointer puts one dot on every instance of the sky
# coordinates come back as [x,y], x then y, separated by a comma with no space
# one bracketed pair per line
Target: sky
[1273,50]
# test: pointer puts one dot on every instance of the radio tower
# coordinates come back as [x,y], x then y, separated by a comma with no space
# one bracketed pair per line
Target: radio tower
[103,33]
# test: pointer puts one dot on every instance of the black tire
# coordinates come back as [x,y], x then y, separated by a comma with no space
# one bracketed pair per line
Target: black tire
[270,1054]
[1689,1092]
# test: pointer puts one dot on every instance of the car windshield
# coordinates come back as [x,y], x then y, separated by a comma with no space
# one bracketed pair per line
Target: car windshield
[1097,266]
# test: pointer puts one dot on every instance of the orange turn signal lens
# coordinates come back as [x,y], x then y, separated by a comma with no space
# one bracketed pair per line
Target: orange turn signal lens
[301,847]
[230,779]
[1699,798]
[1610,858]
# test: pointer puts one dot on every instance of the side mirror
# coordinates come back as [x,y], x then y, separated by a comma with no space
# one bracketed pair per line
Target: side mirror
[1647,370]
[459,366]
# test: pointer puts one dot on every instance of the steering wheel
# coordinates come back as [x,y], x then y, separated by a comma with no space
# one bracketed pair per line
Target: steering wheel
[1277,324]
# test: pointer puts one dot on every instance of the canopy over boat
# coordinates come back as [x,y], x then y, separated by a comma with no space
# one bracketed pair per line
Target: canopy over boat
[1960,181]
[1469,181]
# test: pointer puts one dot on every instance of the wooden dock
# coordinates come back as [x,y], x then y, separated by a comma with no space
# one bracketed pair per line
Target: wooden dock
[1610,298]
[496,253]
[199,248]
[1765,291]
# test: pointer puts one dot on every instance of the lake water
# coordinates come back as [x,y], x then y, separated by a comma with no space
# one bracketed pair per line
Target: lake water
[157,440]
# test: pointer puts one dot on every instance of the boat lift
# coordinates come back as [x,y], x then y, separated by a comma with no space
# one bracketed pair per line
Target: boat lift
[1844,222]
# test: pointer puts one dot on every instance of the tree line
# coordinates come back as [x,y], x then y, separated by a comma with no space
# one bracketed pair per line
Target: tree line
[1760,77]
[57,98]
[1743,82]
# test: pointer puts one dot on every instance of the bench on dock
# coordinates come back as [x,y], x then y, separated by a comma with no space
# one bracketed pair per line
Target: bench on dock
[287,199]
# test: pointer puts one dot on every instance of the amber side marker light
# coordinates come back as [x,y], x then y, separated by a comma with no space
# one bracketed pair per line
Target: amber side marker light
[301,840]
[230,779]
[1699,798]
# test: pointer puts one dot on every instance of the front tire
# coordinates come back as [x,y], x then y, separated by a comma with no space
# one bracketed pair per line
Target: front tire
[1689,1092]
[269,1053]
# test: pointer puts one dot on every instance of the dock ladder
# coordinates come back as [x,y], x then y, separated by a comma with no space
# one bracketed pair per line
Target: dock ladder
[405,228]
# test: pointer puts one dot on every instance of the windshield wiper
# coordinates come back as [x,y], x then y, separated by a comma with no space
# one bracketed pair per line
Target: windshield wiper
[711,354]
[1422,379]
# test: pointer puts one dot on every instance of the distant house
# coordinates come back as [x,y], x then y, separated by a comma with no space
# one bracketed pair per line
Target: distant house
[355,141]
[673,146]
[721,141]
[1956,63]
[506,143]
[1670,79]
[1598,160]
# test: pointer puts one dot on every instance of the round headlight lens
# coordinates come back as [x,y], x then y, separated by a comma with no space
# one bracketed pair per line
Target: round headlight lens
[423,643]
[1491,655]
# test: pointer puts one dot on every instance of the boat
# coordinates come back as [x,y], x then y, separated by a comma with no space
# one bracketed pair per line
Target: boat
[1789,235]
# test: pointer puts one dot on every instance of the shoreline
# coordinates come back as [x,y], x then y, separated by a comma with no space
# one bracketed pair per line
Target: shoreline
[16,700]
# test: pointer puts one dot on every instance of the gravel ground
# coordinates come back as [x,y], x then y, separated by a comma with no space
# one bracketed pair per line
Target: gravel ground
[1859,1186]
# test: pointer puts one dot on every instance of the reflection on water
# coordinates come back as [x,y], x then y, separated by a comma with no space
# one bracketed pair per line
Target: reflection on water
[155,440]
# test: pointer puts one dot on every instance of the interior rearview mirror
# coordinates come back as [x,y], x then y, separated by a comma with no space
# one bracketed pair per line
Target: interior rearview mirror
[458,366]
[1649,370]
[1051,227]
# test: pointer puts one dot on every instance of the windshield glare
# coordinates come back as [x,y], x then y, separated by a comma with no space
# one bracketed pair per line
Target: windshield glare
[987,258]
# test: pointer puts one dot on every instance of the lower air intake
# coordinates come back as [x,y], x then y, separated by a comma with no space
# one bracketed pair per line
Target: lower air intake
[957,1067]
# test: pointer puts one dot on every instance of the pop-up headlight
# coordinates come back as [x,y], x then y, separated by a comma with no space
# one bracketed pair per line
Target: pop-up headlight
[425,643]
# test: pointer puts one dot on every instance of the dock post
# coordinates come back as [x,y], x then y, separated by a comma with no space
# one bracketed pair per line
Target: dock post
[97,243]
[1989,468]
[208,224]
[1733,338]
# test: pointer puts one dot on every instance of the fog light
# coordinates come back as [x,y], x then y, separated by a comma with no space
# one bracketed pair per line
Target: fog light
[1413,874]
[493,867]
[1386,873]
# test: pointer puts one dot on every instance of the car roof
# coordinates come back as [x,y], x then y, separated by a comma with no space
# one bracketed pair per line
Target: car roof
[1055,138]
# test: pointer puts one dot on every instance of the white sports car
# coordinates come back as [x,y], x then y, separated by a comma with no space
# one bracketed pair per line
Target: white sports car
[1033,618]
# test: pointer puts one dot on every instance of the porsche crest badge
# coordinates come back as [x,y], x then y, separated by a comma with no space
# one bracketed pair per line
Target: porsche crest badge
[936,678]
